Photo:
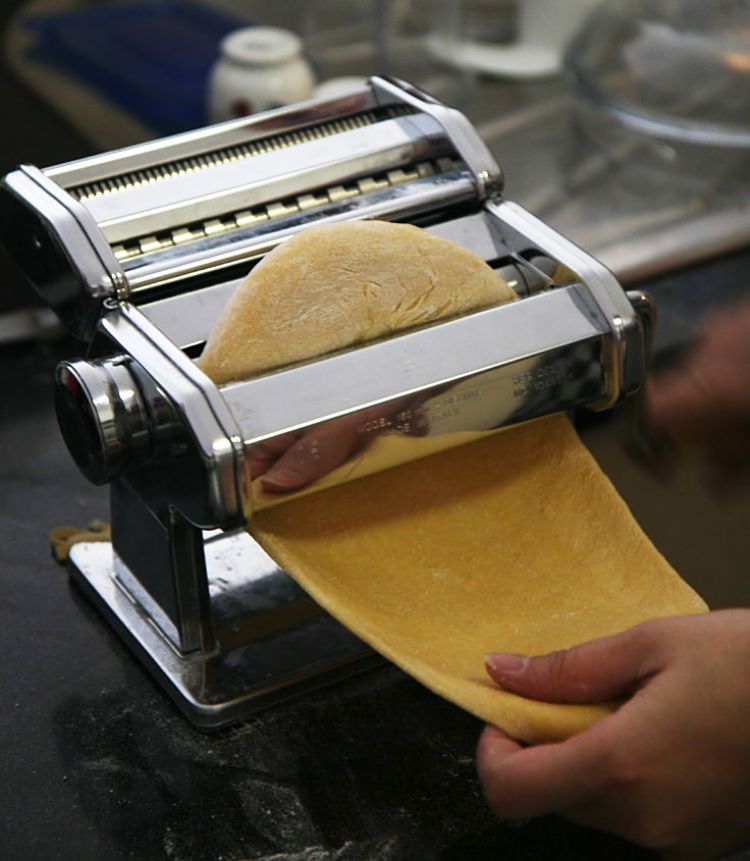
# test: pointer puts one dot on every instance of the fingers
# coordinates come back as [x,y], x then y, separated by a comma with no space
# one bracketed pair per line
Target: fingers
[709,391]
[495,745]
[292,461]
[709,411]
[320,450]
[691,403]
[327,445]
[667,770]
[523,782]
[263,455]
[603,669]
[677,400]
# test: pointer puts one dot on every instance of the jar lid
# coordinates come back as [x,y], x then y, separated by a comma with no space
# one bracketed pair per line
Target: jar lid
[261,46]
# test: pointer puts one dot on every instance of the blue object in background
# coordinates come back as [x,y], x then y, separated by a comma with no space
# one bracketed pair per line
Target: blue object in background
[151,58]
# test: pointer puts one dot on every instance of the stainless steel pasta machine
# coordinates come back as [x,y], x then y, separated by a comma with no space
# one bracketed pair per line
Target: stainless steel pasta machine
[138,249]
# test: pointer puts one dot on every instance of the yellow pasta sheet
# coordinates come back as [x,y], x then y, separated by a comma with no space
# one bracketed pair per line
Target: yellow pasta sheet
[517,542]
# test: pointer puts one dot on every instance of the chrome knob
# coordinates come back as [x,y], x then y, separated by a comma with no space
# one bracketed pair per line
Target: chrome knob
[102,416]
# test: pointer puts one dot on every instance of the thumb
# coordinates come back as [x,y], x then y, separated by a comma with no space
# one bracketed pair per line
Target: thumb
[603,669]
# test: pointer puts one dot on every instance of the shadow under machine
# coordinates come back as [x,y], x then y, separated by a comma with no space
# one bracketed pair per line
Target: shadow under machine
[138,249]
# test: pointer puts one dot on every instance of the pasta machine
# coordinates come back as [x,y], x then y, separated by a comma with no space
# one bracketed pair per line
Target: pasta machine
[138,249]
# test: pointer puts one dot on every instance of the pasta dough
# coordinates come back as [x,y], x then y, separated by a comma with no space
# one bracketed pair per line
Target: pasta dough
[516,542]
[334,285]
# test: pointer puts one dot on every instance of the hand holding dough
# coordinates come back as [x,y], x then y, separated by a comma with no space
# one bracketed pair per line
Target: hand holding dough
[514,543]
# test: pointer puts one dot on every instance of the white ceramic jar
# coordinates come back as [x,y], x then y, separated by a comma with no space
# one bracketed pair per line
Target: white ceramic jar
[259,68]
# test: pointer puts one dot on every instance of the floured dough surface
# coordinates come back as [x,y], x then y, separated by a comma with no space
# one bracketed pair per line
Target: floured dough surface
[517,542]
[334,285]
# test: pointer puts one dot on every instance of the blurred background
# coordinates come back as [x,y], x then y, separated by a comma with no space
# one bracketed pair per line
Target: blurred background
[623,124]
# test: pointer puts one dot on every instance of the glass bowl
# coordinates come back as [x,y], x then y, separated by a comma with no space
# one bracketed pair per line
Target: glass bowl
[676,69]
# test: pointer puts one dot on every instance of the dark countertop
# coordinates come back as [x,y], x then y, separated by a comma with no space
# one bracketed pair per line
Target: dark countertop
[98,764]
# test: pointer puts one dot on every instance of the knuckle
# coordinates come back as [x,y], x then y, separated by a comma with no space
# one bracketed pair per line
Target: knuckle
[620,771]
[563,673]
[649,640]
[616,770]
[554,665]
[647,632]
[625,776]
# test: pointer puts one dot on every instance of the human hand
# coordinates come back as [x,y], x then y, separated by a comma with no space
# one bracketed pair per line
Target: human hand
[704,401]
[670,769]
[294,460]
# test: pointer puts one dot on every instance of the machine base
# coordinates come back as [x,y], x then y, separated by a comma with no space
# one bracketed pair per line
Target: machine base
[272,641]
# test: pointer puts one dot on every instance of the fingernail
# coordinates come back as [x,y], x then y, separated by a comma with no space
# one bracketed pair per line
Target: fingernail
[506,662]
[281,480]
